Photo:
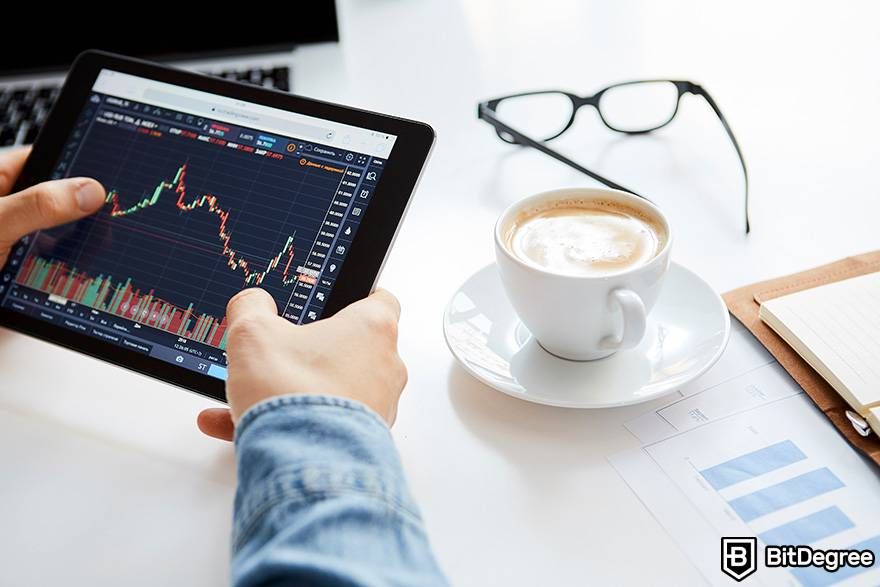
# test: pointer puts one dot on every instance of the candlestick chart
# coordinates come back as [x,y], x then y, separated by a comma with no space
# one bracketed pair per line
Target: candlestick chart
[185,226]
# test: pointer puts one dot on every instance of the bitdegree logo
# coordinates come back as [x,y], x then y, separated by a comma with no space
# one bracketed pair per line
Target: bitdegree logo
[739,557]
[806,556]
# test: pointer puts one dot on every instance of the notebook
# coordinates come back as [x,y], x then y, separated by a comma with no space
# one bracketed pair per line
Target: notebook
[836,329]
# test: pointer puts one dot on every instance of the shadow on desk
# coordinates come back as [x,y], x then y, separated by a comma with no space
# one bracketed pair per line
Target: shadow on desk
[540,440]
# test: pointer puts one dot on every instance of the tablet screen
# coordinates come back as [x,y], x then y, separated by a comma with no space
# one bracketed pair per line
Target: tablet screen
[206,195]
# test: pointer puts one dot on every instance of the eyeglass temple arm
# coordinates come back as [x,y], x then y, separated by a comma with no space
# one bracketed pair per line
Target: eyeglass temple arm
[700,91]
[488,115]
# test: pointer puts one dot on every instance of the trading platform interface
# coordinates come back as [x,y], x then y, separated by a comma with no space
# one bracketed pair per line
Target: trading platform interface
[206,195]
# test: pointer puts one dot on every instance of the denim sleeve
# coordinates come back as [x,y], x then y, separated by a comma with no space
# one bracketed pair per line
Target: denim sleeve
[322,500]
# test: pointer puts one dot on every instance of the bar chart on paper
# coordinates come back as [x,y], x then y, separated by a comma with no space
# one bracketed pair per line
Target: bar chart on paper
[779,472]
[745,453]
[787,497]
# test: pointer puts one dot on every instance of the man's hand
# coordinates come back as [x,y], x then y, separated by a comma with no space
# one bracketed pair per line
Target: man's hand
[352,355]
[41,206]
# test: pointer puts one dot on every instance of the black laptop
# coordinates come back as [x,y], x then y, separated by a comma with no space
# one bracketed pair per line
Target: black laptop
[249,45]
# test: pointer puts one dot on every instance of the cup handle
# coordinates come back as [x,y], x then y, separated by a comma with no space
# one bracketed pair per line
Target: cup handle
[634,320]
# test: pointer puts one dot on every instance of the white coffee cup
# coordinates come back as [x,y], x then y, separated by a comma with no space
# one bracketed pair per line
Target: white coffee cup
[582,317]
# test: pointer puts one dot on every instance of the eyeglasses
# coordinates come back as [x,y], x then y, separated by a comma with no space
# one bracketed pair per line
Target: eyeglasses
[632,108]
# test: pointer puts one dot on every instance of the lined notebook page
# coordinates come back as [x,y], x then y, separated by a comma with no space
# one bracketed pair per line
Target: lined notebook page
[836,328]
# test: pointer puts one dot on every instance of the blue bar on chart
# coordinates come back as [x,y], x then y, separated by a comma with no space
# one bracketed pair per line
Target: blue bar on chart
[753,464]
[789,492]
[809,529]
[819,577]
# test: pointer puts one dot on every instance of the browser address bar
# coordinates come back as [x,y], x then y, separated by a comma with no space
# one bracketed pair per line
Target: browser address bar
[269,123]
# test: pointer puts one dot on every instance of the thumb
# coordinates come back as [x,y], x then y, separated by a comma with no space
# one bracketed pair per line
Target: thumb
[250,303]
[48,204]
[216,422]
[380,304]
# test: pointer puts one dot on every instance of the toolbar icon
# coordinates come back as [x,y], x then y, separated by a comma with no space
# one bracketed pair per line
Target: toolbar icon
[371,176]
[291,147]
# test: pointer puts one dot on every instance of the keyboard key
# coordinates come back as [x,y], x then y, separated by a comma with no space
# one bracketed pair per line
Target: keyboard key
[23,129]
[31,135]
[269,78]
[25,108]
[7,136]
[281,76]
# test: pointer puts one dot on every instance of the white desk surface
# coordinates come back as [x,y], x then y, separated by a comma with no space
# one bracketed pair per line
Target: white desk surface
[104,479]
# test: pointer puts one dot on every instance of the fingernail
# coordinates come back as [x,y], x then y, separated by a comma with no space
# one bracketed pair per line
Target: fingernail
[89,195]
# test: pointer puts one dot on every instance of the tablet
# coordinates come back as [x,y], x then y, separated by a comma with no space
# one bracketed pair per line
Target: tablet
[212,187]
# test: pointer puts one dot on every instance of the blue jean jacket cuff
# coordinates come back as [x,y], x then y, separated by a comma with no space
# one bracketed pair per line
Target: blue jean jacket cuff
[273,403]
[298,449]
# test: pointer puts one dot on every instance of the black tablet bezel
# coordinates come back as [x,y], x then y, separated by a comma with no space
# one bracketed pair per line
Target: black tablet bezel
[362,264]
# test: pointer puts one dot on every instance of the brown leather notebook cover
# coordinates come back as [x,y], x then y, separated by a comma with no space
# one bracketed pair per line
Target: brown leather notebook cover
[744,303]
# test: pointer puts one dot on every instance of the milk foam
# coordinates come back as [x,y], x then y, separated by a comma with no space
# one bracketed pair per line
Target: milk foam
[590,239]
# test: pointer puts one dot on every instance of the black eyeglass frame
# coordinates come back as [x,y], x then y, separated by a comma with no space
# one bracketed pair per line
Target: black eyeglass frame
[487,111]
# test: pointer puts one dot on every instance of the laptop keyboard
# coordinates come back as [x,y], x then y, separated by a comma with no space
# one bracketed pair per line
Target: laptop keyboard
[24,109]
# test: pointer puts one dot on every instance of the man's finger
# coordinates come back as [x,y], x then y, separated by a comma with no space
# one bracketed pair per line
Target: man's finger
[216,422]
[250,302]
[48,204]
[380,301]
[11,164]
[388,299]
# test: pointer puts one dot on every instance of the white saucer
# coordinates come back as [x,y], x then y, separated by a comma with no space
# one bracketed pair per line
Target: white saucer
[687,332]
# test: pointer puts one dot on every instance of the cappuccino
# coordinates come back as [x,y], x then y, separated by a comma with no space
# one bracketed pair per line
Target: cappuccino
[588,238]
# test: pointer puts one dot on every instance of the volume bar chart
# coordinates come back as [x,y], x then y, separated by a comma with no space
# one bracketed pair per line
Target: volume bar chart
[121,299]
